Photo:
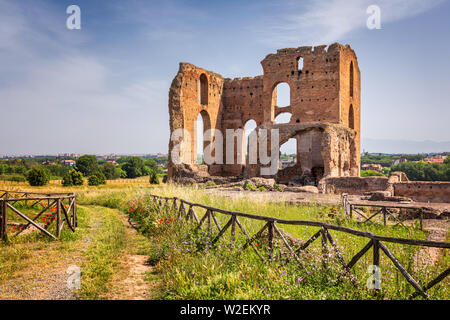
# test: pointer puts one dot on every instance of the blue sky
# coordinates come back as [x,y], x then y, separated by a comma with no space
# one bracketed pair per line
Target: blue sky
[104,88]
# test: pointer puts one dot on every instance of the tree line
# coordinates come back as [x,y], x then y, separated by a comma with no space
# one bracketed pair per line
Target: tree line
[40,172]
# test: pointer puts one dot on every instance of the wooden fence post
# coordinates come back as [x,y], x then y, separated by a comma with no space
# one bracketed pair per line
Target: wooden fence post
[5,217]
[58,216]
[3,226]
[270,231]
[233,229]
[324,248]
[376,262]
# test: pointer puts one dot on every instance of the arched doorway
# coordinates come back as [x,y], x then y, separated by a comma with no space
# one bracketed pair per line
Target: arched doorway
[202,124]
[288,153]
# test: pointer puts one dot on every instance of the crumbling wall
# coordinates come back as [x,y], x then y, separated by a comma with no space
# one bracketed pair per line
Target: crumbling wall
[242,101]
[353,185]
[423,191]
[185,105]
[319,94]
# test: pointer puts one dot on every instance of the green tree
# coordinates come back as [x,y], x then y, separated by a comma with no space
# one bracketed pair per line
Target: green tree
[87,165]
[38,176]
[421,171]
[110,171]
[96,179]
[134,167]
[73,178]
[154,177]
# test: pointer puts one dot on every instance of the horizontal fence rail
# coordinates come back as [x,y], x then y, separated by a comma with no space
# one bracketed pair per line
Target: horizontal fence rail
[49,207]
[186,210]
[386,210]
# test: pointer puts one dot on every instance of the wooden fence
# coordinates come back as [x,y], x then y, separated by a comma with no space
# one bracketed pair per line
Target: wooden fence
[58,207]
[386,210]
[185,209]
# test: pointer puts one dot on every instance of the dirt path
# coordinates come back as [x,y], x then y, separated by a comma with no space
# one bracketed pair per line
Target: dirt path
[132,282]
[39,270]
[437,232]
[43,274]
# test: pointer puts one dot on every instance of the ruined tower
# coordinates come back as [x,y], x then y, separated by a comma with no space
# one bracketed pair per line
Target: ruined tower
[324,106]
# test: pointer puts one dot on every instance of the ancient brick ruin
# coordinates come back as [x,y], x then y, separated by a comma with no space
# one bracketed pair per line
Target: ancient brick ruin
[324,105]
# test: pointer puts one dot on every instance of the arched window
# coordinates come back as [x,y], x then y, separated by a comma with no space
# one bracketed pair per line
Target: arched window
[281,95]
[351,79]
[299,63]
[351,118]
[203,89]
[284,117]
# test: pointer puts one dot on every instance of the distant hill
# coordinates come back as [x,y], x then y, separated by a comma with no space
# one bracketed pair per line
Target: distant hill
[403,146]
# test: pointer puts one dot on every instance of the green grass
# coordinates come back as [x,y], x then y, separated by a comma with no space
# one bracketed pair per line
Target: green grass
[102,256]
[190,271]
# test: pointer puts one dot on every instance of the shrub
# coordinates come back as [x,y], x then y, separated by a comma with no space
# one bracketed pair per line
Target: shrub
[370,173]
[164,180]
[67,180]
[73,178]
[77,178]
[154,178]
[13,177]
[110,171]
[261,188]
[38,176]
[249,186]
[96,179]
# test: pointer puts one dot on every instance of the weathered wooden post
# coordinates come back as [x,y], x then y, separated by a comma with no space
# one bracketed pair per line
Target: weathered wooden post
[58,217]
[323,233]
[384,215]
[208,212]
[270,231]
[75,210]
[376,265]
[2,220]
[233,229]
[5,217]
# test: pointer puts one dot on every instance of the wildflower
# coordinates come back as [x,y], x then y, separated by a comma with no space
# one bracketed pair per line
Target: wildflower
[300,279]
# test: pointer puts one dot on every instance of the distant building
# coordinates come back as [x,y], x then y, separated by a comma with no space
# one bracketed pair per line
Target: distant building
[284,163]
[398,161]
[113,162]
[372,166]
[435,159]
[68,163]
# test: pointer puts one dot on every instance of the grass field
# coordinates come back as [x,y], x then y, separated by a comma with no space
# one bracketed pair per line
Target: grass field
[189,268]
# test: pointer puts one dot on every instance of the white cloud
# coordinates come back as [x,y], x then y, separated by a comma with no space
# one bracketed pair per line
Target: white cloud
[328,21]
[64,97]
